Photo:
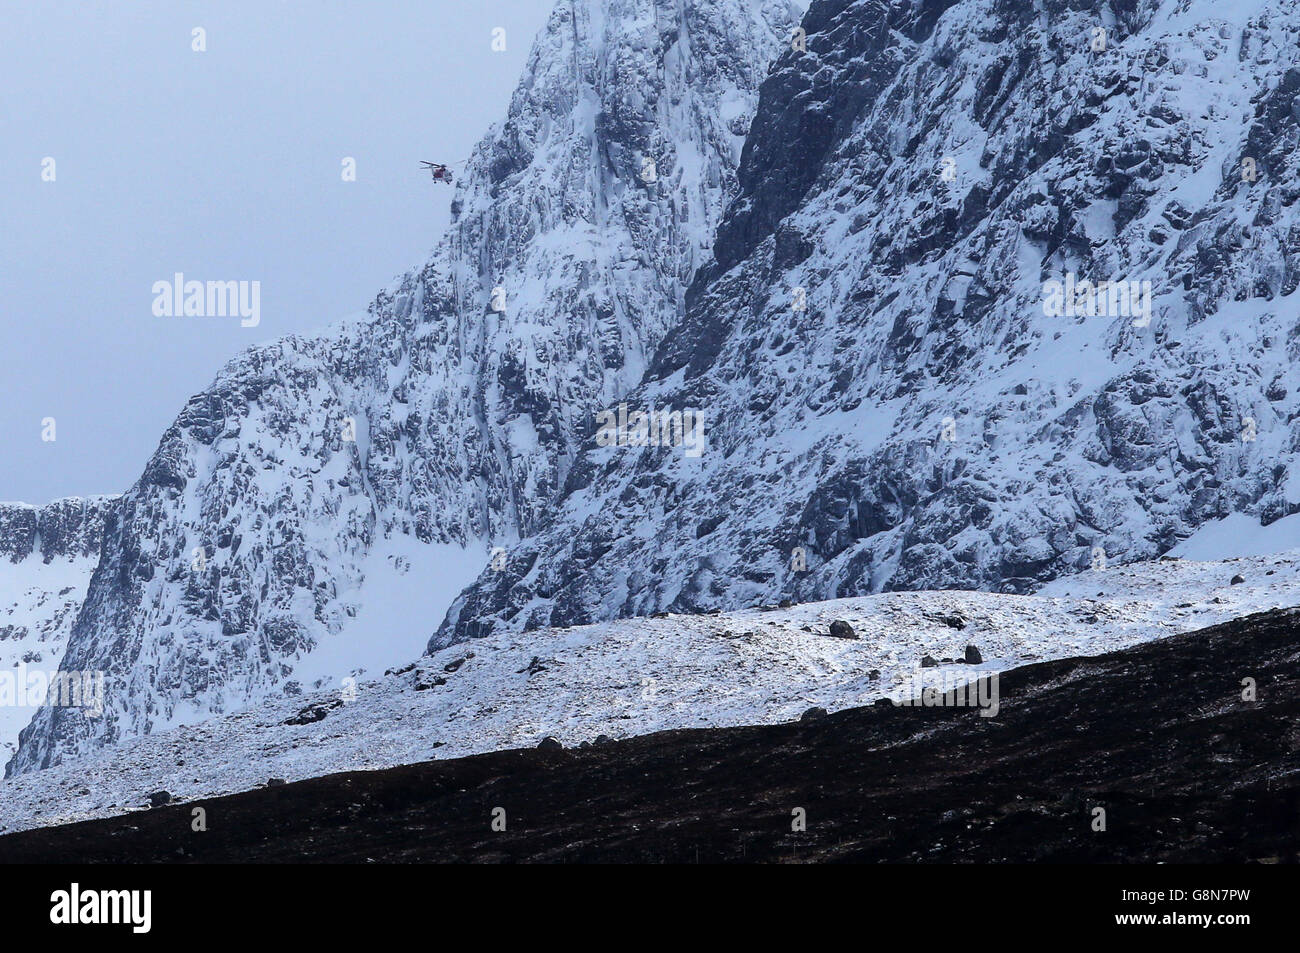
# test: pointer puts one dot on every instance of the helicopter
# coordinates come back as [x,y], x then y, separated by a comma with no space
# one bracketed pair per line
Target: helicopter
[440,173]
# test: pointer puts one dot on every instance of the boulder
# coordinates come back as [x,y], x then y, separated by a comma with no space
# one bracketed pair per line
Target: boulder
[842,630]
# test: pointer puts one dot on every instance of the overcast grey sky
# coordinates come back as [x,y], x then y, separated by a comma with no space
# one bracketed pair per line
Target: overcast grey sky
[223,165]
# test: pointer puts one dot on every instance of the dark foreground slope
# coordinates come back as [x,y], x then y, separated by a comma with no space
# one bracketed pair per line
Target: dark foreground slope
[1158,735]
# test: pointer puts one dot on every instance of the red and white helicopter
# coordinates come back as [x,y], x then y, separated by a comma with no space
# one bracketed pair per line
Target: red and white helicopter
[440,173]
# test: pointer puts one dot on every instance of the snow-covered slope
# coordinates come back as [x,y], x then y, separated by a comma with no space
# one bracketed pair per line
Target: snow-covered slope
[888,403]
[47,556]
[883,387]
[636,676]
[277,518]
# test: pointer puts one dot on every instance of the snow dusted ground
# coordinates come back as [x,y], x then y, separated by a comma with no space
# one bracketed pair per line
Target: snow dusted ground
[38,604]
[641,675]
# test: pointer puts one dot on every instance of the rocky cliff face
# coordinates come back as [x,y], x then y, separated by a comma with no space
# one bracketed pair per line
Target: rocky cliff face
[69,529]
[47,557]
[450,415]
[896,396]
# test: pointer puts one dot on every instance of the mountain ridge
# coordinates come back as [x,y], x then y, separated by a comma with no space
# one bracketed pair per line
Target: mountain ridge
[449,414]
[892,405]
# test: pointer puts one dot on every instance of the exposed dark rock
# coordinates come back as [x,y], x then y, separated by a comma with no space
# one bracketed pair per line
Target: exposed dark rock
[532,668]
[455,664]
[842,630]
[314,713]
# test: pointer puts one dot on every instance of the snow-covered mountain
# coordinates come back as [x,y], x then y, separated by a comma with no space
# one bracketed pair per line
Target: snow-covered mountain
[315,510]
[893,396]
[636,676]
[895,393]
[47,556]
